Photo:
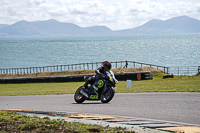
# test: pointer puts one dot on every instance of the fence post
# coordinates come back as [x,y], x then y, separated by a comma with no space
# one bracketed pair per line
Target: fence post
[126,63]
[167,70]
[178,71]
[87,67]
[164,69]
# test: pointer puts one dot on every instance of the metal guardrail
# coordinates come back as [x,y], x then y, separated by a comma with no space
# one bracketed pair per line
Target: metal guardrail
[81,66]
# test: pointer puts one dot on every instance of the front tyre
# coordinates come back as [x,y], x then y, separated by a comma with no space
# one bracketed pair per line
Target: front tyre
[78,97]
[108,95]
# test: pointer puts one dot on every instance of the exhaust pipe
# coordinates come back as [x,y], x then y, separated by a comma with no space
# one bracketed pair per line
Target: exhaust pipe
[84,94]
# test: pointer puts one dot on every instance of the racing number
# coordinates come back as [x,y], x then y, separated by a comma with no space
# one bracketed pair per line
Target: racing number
[94,97]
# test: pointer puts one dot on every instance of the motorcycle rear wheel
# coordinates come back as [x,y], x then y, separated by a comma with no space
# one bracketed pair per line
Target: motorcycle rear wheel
[78,97]
[108,95]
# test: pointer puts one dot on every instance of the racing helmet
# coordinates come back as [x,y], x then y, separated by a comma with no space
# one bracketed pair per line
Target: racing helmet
[107,65]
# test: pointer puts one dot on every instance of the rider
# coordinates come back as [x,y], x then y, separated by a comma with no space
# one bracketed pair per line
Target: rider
[101,71]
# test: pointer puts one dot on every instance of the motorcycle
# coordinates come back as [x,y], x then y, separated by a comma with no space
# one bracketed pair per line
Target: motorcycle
[105,93]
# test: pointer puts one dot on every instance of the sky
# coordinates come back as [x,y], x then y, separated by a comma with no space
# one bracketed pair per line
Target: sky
[115,14]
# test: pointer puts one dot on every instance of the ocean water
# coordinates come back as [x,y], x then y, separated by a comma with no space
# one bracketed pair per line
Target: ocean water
[163,50]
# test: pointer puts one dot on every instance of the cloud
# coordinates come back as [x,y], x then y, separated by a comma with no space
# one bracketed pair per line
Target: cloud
[164,9]
[115,14]
[144,11]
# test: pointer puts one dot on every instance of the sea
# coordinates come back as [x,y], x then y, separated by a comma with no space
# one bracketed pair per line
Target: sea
[163,50]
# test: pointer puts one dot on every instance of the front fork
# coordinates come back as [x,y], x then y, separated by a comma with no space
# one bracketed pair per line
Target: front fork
[105,89]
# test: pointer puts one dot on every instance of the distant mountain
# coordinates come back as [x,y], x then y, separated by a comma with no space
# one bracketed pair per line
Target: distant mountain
[51,28]
[177,25]
[99,29]
[3,26]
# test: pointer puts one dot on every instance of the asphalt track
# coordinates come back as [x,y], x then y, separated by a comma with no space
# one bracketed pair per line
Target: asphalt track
[173,106]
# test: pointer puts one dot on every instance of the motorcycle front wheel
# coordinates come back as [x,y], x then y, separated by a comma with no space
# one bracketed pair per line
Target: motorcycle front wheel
[78,97]
[108,95]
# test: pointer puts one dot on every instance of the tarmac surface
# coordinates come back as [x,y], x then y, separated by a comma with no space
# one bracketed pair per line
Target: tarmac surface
[174,106]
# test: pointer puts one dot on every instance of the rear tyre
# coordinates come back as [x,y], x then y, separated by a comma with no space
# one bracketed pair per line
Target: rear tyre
[108,95]
[78,97]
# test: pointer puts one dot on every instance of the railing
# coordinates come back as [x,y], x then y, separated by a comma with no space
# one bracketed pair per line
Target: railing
[128,64]
[184,70]
[81,66]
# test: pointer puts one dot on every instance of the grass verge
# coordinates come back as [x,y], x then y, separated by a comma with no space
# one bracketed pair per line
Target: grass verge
[158,84]
[14,122]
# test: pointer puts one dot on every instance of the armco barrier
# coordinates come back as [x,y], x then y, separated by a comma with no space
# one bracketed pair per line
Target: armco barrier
[134,76]
[78,78]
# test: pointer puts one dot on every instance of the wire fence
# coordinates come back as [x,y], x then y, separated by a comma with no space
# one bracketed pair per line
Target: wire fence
[179,70]
[81,66]
[184,70]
